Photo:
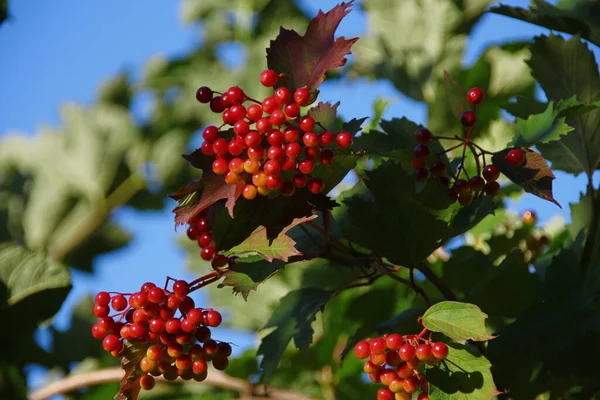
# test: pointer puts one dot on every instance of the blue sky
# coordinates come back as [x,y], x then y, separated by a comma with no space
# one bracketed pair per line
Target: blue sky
[60,51]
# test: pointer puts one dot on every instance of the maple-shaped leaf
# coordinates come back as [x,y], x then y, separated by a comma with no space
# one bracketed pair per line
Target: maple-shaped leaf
[282,247]
[243,276]
[305,59]
[199,195]
[534,175]
[131,356]
[325,114]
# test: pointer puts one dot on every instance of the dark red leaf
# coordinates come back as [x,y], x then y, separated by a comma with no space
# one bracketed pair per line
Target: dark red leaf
[534,175]
[130,359]
[305,59]
[202,194]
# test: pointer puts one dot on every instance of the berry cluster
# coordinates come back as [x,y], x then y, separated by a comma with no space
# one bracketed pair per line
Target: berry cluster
[534,243]
[270,145]
[461,189]
[395,361]
[175,345]
[199,229]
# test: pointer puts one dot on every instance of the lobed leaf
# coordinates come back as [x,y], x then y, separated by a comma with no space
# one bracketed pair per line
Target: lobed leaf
[246,276]
[534,176]
[325,114]
[305,59]
[458,321]
[540,128]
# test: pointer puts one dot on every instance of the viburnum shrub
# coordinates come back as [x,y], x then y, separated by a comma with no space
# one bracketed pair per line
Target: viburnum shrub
[264,199]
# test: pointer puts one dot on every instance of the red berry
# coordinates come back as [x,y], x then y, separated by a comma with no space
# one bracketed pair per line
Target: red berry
[315,185]
[307,124]
[181,288]
[344,139]
[268,78]
[237,112]
[119,302]
[220,166]
[362,349]
[275,138]
[421,175]
[205,239]
[418,162]
[101,311]
[377,359]
[423,136]
[293,150]
[411,384]
[236,95]
[477,183]
[439,350]
[406,352]
[282,95]
[468,118]
[202,225]
[207,149]
[217,105]
[102,298]
[437,168]
[252,138]
[393,341]
[302,96]
[269,105]
[385,394]
[392,358]
[272,167]
[157,325]
[300,180]
[423,352]
[387,376]
[423,396]
[274,181]
[491,173]
[421,152]
[220,146]
[327,156]
[213,318]
[241,127]
[277,117]
[264,126]
[111,343]
[292,110]
[310,139]
[312,152]
[98,332]
[306,166]
[515,157]
[377,346]
[492,188]
[370,368]
[475,95]
[255,153]
[208,253]
[291,135]
[204,94]
[147,382]
[275,153]
[254,112]
[326,139]
[210,133]
[462,186]
[249,192]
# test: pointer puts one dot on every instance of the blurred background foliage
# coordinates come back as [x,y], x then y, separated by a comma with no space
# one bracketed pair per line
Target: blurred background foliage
[60,188]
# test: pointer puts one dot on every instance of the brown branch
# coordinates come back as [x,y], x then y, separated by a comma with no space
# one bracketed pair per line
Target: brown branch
[115,374]
[429,274]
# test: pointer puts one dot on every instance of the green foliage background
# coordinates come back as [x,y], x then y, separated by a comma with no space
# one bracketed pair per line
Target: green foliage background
[59,189]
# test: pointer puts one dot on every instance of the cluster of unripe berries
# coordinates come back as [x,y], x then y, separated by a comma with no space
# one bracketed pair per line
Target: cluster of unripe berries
[397,361]
[175,345]
[267,145]
[461,190]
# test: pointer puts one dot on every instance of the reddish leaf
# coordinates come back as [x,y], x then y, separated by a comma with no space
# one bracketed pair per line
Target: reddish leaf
[326,115]
[305,59]
[534,175]
[202,194]
[131,356]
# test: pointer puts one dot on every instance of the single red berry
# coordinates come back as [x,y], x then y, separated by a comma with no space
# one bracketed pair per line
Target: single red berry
[423,352]
[208,253]
[147,382]
[377,359]
[98,332]
[102,298]
[377,346]
[462,186]
[277,118]
[292,110]
[491,173]
[282,95]
[392,358]
[515,157]
[210,133]
[205,239]
[291,135]
[374,377]
[311,153]
[202,225]
[306,166]
[307,123]
[181,288]
[275,153]
[326,139]
[236,95]
[157,325]
[315,185]
[213,318]
[237,112]
[404,371]
[217,105]
[269,104]
[411,384]
[254,112]
[272,167]
[228,118]
[119,302]
[241,127]
[343,139]
[492,188]
[423,396]
[387,376]
[406,352]
[293,150]
[421,175]
[204,94]
[421,152]
[370,368]
[268,78]
[300,180]
[468,118]
[477,183]
[465,199]
[475,95]
[310,139]
[111,343]
[362,349]
[255,153]
[439,350]
[101,311]
[207,149]
[423,136]
[385,394]
[220,166]
[220,146]
[302,96]
[275,138]
[393,341]
[327,156]
[264,126]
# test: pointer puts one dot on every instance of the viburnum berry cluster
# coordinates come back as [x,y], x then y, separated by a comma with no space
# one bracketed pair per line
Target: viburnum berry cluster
[398,361]
[200,230]
[173,345]
[460,185]
[268,145]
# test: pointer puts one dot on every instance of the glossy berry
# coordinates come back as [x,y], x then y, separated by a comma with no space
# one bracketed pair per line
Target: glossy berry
[208,253]
[465,199]
[254,112]
[468,118]
[147,382]
[423,352]
[492,188]
[491,173]
[315,185]
[528,218]
[362,349]
[204,94]
[282,95]
[475,95]
[477,183]
[307,124]
[377,346]
[302,96]
[462,186]
[326,139]
[213,318]
[406,352]
[411,384]
[292,110]
[385,394]
[249,192]
[119,302]
[423,136]
[343,139]
[515,157]
[439,350]
[102,298]
[111,343]
[268,78]
[423,396]
[392,358]
[181,288]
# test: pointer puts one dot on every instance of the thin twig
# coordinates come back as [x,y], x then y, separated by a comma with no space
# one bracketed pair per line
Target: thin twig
[429,274]
[115,374]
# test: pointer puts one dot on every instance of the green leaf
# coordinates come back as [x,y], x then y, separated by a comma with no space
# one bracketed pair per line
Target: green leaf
[292,318]
[540,128]
[579,20]
[465,268]
[465,374]
[244,276]
[458,321]
[552,67]
[343,162]
[534,175]
[325,113]
[305,59]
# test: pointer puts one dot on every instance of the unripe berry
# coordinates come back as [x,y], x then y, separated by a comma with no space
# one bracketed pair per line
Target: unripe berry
[249,192]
